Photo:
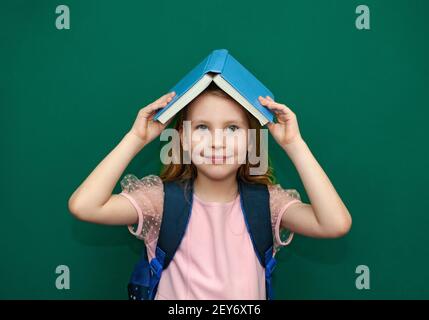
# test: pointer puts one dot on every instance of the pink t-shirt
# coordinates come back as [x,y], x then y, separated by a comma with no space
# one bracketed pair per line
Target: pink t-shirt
[215,259]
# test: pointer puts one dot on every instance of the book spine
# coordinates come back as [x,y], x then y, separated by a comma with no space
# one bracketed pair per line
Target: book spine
[216,61]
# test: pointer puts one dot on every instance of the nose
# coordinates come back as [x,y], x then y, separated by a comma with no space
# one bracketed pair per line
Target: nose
[218,138]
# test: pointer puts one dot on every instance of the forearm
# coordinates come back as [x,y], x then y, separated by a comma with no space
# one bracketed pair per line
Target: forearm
[328,207]
[97,188]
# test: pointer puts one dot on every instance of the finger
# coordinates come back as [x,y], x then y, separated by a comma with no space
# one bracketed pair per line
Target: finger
[277,109]
[266,101]
[164,100]
[166,96]
[150,109]
[161,98]
[275,106]
[269,100]
[283,106]
[169,96]
[154,106]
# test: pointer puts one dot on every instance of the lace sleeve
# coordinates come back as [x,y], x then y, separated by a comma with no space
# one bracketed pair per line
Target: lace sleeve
[280,200]
[147,197]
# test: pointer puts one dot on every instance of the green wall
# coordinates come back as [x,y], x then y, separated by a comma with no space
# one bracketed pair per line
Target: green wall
[361,96]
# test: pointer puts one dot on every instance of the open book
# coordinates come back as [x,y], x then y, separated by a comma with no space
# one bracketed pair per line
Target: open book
[230,76]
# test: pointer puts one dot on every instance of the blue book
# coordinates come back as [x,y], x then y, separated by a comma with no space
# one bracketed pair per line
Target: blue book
[230,76]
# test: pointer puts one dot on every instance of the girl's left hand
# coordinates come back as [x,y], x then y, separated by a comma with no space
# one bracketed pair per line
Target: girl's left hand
[286,130]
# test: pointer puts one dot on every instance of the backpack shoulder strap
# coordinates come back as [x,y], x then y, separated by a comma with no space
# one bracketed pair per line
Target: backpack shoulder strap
[176,213]
[255,204]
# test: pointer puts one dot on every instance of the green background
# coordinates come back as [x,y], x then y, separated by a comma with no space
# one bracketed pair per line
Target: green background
[67,97]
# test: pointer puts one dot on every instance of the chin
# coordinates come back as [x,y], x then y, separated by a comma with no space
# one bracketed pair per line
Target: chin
[217,172]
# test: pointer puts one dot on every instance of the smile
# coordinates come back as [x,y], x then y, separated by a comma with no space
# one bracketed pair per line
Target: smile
[218,159]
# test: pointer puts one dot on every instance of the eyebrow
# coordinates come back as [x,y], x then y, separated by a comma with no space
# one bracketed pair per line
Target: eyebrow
[235,121]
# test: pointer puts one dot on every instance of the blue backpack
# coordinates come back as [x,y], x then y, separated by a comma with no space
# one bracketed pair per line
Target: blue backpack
[255,205]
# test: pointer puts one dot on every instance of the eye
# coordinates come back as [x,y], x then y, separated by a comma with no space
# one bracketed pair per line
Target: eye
[201,125]
[233,127]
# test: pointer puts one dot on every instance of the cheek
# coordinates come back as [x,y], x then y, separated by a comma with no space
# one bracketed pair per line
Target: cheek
[200,140]
[242,145]
[237,143]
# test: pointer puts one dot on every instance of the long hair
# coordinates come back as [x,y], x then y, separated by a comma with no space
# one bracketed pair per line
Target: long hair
[185,172]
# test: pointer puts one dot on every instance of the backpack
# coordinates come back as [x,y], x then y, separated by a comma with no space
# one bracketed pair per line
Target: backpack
[255,205]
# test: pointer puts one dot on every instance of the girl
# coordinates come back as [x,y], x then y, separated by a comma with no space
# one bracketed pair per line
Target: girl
[215,259]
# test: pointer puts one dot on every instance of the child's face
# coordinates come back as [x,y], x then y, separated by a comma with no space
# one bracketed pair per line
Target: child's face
[218,126]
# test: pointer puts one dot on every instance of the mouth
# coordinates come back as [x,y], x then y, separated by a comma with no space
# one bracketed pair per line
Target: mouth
[218,159]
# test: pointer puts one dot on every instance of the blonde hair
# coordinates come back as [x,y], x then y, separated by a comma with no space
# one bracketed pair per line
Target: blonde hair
[185,172]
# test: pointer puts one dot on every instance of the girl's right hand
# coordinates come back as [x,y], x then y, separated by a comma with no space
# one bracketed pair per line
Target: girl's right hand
[144,127]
